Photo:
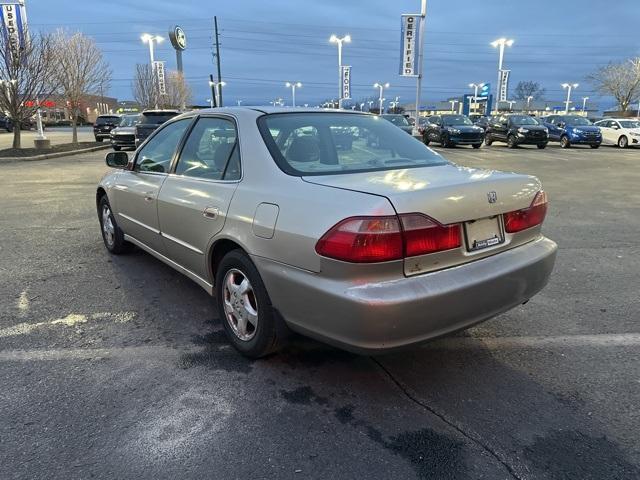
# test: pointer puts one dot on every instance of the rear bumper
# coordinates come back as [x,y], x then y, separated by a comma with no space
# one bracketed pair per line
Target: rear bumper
[378,317]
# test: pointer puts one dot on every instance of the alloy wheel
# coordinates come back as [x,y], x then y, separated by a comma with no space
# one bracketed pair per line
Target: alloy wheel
[240,305]
[108,229]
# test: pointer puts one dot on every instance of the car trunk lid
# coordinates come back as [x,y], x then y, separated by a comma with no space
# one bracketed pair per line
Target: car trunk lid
[450,194]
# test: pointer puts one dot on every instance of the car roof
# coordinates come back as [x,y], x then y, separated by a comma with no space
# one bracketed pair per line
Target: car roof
[161,111]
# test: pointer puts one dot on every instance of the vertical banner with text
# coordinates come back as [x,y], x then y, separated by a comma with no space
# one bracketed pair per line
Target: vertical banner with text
[410,45]
[13,23]
[345,75]
[504,85]
[158,67]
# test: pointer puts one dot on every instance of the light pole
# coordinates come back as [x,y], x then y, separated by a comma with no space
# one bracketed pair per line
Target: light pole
[216,88]
[529,98]
[370,102]
[239,102]
[293,86]
[362,107]
[150,39]
[510,102]
[381,87]
[500,44]
[453,105]
[569,87]
[584,105]
[475,87]
[339,40]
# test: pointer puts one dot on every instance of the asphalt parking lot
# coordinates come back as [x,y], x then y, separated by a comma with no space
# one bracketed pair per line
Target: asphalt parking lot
[116,367]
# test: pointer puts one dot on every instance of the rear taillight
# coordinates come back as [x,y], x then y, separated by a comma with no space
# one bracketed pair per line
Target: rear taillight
[363,240]
[381,239]
[423,235]
[519,220]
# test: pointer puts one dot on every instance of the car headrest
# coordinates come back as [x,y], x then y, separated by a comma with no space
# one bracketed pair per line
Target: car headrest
[303,149]
[222,155]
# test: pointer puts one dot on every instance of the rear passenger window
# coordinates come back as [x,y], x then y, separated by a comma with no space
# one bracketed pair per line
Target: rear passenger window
[211,152]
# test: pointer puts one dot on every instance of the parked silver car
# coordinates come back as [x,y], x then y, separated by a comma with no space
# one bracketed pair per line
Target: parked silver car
[369,246]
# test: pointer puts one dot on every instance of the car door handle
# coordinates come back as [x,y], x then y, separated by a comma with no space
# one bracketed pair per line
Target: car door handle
[211,212]
[149,196]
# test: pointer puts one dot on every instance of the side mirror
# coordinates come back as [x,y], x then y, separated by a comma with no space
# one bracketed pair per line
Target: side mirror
[561,125]
[117,159]
[615,127]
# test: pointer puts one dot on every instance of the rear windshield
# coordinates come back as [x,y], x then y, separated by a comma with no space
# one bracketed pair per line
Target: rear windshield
[105,120]
[629,124]
[157,117]
[129,121]
[337,143]
[456,120]
[398,120]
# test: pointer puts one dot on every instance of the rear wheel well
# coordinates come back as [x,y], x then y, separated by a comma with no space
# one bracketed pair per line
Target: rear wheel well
[219,250]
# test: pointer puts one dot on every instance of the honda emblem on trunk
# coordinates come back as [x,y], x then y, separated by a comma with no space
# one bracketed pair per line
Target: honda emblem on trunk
[492,197]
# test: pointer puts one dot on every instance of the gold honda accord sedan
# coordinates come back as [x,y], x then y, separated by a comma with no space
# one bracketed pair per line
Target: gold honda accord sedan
[337,225]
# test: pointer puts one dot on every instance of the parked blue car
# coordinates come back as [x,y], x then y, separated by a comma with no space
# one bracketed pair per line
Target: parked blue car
[572,130]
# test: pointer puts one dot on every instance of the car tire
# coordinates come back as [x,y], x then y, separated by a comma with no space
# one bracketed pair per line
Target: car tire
[564,142]
[511,142]
[269,332]
[623,142]
[594,146]
[444,141]
[476,145]
[425,139]
[112,235]
[488,141]
[542,146]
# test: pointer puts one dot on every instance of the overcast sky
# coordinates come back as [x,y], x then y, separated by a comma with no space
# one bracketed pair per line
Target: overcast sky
[267,42]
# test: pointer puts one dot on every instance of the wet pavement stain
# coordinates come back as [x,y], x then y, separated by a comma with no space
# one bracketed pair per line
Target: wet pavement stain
[344,414]
[303,396]
[217,354]
[570,455]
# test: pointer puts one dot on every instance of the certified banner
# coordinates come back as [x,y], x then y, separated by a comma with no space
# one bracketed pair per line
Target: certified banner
[13,25]
[158,67]
[410,45]
[345,75]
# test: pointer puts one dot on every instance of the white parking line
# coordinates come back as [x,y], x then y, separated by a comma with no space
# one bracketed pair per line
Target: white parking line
[70,320]
[159,352]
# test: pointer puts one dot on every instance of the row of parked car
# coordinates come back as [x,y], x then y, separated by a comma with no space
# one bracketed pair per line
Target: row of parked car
[521,129]
[129,130]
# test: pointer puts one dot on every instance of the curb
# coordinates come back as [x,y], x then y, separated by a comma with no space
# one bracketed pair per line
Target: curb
[46,156]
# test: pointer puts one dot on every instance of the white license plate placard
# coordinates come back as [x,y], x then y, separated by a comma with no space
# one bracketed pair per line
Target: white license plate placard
[483,233]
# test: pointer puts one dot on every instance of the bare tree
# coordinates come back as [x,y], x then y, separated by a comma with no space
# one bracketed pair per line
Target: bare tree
[80,71]
[526,89]
[178,91]
[145,89]
[620,80]
[145,86]
[27,78]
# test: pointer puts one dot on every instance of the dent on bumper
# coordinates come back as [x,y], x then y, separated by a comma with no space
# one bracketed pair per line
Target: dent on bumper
[377,317]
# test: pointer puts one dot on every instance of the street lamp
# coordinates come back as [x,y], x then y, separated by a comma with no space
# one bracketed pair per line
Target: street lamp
[339,40]
[475,87]
[148,38]
[584,105]
[569,87]
[511,102]
[380,86]
[500,44]
[216,90]
[293,86]
[453,105]
[529,98]
[239,102]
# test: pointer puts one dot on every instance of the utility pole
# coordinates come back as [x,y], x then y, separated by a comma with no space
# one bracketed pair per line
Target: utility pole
[212,84]
[217,36]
